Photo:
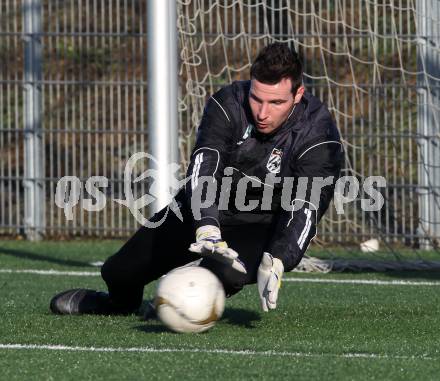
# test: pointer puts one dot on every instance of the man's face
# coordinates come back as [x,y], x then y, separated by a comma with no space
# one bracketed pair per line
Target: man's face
[270,104]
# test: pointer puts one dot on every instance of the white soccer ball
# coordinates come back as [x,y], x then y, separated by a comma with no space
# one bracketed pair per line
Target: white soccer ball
[189,299]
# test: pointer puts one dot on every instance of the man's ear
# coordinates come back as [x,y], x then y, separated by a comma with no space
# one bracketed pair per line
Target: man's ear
[299,94]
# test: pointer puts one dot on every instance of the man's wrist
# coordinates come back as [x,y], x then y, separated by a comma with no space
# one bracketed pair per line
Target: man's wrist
[206,221]
[210,232]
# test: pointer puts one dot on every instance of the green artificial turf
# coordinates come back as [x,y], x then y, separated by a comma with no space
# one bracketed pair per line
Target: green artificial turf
[318,331]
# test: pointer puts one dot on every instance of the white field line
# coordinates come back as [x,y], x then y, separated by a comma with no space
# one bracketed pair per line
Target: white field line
[50,272]
[211,351]
[364,281]
[289,279]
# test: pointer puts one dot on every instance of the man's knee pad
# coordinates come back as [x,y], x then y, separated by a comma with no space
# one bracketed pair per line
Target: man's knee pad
[233,281]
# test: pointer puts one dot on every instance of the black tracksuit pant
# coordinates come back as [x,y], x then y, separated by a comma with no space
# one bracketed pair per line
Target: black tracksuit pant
[152,252]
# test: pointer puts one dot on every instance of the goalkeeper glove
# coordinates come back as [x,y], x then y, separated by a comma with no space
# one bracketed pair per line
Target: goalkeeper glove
[209,244]
[269,277]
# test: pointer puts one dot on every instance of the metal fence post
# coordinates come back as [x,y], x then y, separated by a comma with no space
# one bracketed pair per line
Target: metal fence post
[428,121]
[33,138]
[162,91]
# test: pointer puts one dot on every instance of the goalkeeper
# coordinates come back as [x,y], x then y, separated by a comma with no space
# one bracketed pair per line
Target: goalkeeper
[256,139]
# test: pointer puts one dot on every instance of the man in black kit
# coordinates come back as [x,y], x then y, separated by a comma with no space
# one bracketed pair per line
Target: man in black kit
[261,176]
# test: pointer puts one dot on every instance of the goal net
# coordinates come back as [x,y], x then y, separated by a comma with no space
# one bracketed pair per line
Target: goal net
[376,64]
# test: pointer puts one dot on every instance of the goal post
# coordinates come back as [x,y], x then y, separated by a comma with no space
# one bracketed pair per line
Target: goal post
[428,121]
[162,93]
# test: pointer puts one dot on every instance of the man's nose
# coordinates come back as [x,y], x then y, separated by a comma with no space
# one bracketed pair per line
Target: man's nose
[263,113]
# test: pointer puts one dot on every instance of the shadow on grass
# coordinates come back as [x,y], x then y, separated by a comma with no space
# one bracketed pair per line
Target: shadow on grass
[234,316]
[40,257]
[240,317]
[420,274]
[427,275]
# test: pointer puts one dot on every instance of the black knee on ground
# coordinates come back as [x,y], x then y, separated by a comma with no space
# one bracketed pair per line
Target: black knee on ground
[125,293]
[233,281]
[109,271]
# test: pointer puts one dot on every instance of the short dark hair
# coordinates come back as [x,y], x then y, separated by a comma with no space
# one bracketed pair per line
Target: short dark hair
[276,62]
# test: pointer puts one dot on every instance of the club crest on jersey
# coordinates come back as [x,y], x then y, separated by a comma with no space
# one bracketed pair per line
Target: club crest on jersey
[274,163]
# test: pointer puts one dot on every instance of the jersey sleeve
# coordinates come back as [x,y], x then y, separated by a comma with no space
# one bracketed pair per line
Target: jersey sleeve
[208,160]
[315,172]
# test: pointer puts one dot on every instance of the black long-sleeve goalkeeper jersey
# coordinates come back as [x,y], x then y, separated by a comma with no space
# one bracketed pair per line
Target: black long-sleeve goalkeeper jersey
[272,169]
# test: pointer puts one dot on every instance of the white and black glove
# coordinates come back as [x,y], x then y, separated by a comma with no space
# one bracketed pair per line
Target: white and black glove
[209,243]
[270,273]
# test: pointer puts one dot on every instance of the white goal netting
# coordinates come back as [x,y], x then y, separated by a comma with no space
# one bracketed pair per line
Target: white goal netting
[376,63]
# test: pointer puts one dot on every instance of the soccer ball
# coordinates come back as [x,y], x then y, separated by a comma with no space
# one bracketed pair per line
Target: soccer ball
[189,299]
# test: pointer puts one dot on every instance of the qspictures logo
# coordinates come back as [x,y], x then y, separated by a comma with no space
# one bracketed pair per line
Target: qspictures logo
[69,190]
[348,189]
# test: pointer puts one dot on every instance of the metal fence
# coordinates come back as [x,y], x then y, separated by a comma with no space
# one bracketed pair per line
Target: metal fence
[366,59]
[84,62]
